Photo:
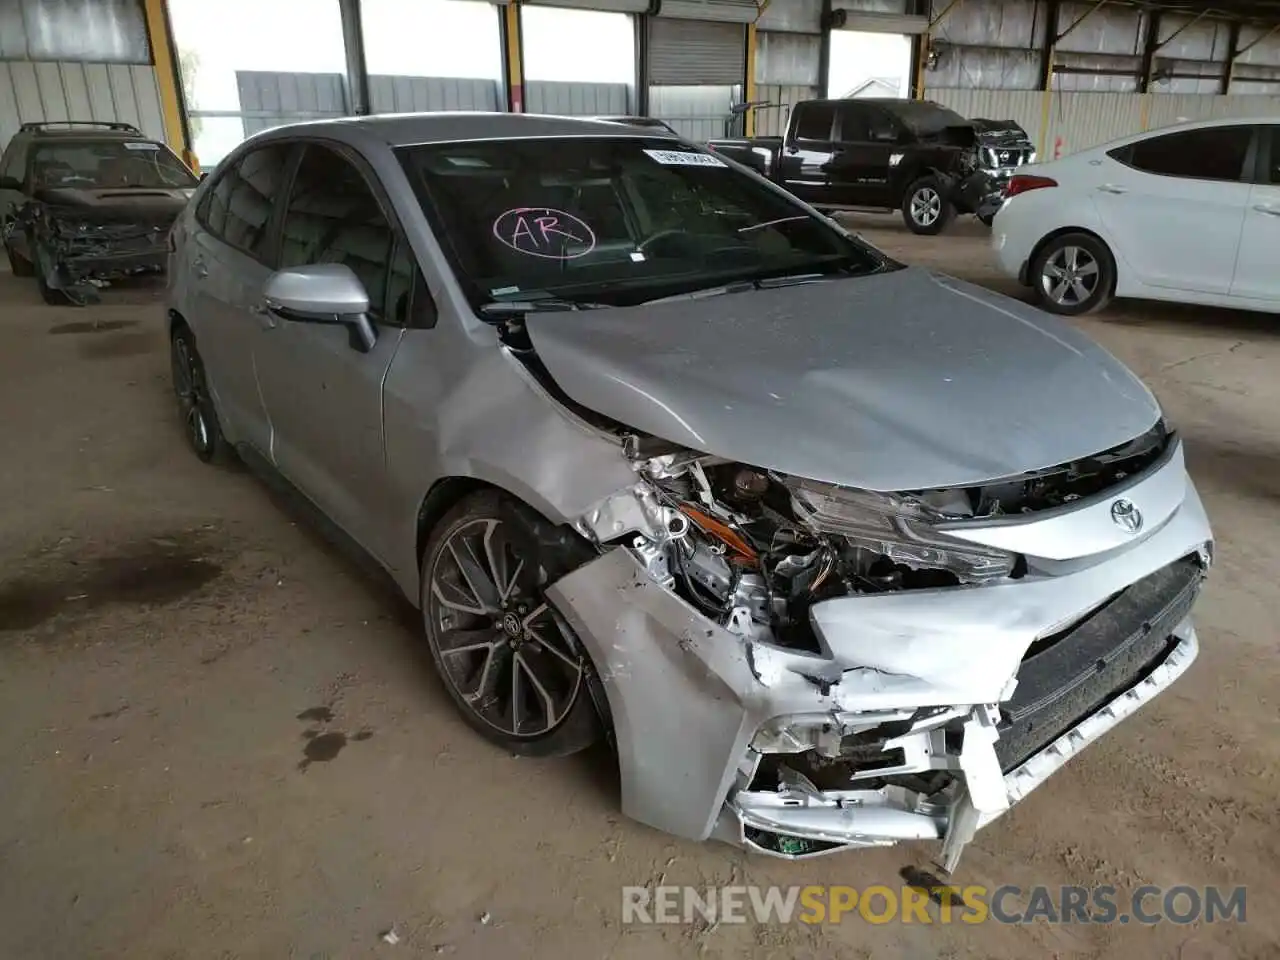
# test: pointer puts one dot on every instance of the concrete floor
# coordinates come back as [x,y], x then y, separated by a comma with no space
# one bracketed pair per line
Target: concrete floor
[169,632]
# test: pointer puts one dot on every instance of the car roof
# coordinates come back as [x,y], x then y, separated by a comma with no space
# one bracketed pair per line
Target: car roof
[405,129]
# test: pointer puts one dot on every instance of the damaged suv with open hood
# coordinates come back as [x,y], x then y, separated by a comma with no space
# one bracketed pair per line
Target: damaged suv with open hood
[83,204]
[835,552]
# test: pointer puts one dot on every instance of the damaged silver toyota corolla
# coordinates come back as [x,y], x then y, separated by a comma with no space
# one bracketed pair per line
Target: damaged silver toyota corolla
[835,552]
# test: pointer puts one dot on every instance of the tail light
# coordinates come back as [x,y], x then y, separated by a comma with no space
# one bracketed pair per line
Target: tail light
[1021,183]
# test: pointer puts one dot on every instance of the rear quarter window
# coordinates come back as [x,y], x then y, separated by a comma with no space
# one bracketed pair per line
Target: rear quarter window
[1213,153]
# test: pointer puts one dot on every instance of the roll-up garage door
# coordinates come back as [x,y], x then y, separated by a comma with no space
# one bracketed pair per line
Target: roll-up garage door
[609,6]
[696,52]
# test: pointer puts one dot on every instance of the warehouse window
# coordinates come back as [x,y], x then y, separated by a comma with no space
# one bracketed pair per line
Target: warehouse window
[1215,153]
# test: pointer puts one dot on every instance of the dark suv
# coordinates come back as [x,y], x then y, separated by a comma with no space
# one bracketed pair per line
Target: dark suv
[82,204]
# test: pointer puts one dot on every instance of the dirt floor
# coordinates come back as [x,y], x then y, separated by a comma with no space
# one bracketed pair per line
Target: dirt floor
[219,737]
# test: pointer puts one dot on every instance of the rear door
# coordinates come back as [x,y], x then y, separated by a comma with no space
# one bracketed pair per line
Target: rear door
[1257,274]
[805,163]
[865,144]
[1175,204]
[229,257]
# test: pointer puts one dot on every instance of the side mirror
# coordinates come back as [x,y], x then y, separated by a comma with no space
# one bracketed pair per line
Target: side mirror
[322,293]
[10,183]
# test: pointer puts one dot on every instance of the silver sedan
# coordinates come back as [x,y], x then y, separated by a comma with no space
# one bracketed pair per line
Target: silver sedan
[834,552]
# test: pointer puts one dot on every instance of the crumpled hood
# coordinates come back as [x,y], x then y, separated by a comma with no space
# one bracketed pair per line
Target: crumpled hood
[898,381]
[158,205]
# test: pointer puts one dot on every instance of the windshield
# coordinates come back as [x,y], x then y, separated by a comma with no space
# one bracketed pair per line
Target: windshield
[108,164]
[614,220]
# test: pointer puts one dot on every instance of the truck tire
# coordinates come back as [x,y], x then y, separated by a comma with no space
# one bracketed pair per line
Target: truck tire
[925,209]
[20,266]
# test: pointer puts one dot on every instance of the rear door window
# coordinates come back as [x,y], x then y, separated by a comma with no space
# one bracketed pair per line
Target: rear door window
[1272,173]
[855,122]
[1215,153]
[237,208]
[14,163]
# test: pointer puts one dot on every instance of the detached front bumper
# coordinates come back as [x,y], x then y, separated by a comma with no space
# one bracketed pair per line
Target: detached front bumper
[925,715]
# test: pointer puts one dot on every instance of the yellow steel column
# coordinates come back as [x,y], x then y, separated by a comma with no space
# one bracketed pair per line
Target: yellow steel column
[512,65]
[749,86]
[165,58]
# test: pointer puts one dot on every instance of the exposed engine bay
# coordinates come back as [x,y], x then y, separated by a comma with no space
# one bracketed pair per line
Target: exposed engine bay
[754,550]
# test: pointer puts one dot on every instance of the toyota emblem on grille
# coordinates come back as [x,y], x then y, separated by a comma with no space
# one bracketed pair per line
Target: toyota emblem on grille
[1126,515]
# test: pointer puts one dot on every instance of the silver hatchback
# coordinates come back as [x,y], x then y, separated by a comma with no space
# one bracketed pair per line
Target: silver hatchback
[834,552]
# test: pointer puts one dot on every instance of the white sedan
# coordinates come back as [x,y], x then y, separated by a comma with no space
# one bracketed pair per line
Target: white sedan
[1188,213]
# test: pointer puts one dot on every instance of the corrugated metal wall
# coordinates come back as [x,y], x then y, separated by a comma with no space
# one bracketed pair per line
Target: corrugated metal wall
[567,99]
[699,113]
[1079,120]
[424,94]
[772,121]
[78,91]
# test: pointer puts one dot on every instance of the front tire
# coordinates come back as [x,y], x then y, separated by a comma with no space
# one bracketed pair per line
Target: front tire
[1073,275]
[508,660]
[925,208]
[195,402]
[20,266]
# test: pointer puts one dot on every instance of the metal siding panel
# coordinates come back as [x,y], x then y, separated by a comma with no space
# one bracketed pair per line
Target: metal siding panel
[53,98]
[26,91]
[1107,30]
[787,59]
[982,69]
[874,22]
[75,85]
[8,105]
[989,23]
[108,31]
[1024,107]
[871,6]
[792,16]
[720,11]
[1078,121]
[122,93]
[380,94]
[700,113]
[1265,53]
[609,6]
[146,92]
[772,121]
[1165,109]
[1194,41]
[568,99]
[102,104]
[696,52]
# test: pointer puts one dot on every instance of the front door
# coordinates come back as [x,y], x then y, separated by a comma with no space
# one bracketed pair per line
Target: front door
[323,396]
[13,166]
[1176,204]
[805,164]
[1257,274]
[229,259]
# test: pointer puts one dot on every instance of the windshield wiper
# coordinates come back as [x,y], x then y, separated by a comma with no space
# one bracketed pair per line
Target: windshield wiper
[509,309]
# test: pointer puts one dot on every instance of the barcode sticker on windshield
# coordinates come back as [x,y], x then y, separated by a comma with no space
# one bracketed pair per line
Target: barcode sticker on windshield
[682,158]
[140,145]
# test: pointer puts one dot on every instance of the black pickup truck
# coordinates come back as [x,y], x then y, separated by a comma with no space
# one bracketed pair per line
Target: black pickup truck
[914,155]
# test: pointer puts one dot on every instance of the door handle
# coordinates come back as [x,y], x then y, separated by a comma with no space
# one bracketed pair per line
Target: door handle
[199,269]
[1267,209]
[266,319]
[1111,188]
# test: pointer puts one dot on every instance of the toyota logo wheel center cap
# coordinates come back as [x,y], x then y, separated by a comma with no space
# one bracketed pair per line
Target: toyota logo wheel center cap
[1126,515]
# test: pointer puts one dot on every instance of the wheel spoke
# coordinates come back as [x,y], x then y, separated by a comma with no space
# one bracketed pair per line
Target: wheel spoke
[466,606]
[517,708]
[1087,269]
[473,575]
[521,665]
[1053,270]
[1080,290]
[504,567]
[1057,291]
[1069,257]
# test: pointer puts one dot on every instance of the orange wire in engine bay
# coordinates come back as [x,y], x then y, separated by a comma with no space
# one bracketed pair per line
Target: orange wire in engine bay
[740,549]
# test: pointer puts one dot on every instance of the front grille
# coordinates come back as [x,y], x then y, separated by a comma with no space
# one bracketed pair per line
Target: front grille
[1004,158]
[1062,682]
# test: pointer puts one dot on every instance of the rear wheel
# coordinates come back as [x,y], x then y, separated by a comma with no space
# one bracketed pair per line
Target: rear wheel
[195,403]
[1073,274]
[509,661]
[925,208]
